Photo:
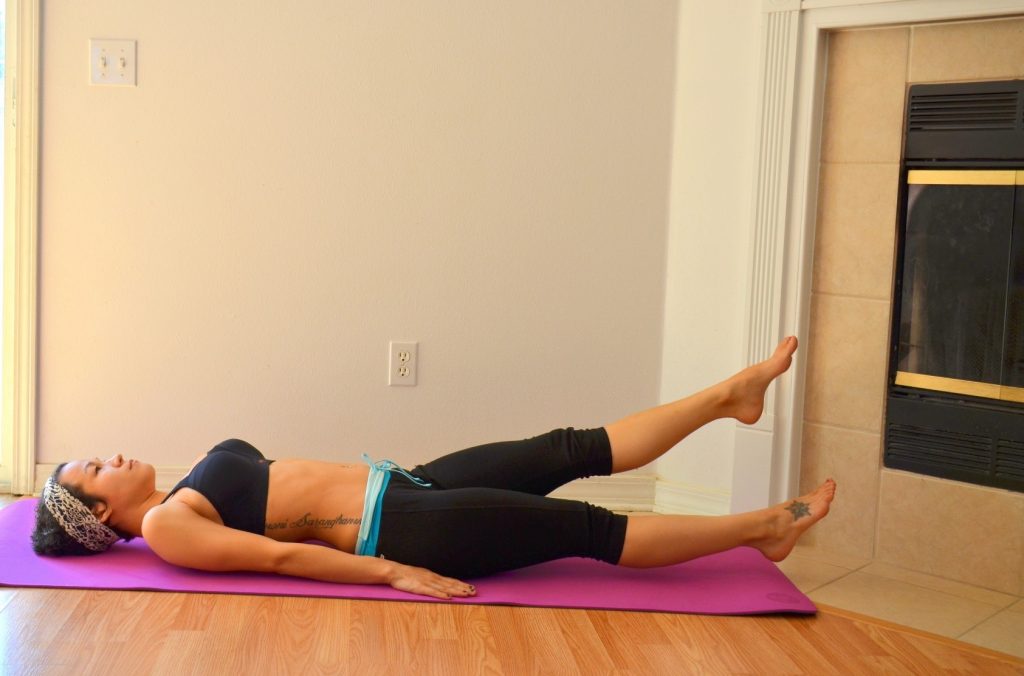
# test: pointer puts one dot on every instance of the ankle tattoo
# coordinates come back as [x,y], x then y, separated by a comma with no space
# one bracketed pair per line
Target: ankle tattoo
[798,509]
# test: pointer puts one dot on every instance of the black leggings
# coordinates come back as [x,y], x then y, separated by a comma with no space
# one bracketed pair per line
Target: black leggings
[485,512]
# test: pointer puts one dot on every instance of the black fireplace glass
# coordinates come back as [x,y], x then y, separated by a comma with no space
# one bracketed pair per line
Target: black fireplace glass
[1013,352]
[954,285]
[955,397]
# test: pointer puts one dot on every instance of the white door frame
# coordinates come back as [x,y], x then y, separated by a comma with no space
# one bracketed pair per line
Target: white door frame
[20,244]
[766,465]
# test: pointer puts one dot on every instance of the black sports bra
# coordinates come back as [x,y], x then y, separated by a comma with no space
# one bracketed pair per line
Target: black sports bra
[235,478]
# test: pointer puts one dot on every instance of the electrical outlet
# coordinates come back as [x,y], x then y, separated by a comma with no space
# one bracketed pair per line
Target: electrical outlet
[402,363]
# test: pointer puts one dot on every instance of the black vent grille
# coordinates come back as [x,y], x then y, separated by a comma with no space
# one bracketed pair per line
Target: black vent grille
[979,111]
[953,450]
[1010,460]
[951,437]
[969,122]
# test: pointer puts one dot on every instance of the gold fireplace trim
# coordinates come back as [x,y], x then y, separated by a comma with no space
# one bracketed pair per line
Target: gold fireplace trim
[968,387]
[965,177]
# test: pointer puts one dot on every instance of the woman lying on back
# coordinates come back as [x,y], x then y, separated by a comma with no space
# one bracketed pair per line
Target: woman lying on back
[468,514]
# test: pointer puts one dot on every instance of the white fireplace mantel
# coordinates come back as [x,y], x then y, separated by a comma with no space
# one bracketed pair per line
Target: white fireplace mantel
[766,467]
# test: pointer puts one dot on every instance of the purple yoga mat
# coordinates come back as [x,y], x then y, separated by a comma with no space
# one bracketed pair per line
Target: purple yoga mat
[737,582]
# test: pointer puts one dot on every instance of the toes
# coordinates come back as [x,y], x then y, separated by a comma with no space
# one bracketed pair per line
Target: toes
[787,346]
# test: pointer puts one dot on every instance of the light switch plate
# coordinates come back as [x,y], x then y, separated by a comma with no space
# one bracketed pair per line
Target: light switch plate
[112,62]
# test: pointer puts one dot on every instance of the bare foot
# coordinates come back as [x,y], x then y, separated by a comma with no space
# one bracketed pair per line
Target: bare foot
[745,398]
[789,520]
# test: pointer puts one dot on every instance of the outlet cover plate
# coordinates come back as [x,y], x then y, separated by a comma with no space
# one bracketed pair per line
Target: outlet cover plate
[402,363]
[112,62]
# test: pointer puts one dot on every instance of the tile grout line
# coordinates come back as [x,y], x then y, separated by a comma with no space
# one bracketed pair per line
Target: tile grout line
[860,569]
[999,609]
[979,623]
[841,577]
[832,294]
[843,428]
[958,637]
[910,57]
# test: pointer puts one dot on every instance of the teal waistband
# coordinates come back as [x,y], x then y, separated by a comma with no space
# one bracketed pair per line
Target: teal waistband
[376,483]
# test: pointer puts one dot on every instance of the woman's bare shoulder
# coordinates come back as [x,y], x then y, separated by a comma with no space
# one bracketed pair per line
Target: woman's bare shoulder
[185,504]
[180,535]
[167,514]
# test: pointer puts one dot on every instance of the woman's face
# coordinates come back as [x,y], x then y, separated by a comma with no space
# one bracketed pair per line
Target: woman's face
[118,482]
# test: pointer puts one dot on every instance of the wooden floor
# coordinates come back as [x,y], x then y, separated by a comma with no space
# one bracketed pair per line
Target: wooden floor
[48,631]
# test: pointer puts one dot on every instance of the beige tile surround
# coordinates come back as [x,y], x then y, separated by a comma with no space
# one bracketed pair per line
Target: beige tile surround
[945,529]
[935,604]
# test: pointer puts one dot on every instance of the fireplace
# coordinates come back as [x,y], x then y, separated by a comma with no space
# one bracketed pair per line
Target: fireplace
[956,377]
[833,164]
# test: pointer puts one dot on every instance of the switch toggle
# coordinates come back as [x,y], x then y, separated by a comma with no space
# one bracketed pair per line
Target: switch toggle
[112,62]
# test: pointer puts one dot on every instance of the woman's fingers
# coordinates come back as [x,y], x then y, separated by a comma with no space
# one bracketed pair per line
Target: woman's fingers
[458,587]
[454,588]
[437,593]
[449,586]
[428,583]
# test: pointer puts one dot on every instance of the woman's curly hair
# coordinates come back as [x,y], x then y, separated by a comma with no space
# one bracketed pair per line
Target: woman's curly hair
[49,537]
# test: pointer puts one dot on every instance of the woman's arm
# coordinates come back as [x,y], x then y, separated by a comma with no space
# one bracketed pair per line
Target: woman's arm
[180,536]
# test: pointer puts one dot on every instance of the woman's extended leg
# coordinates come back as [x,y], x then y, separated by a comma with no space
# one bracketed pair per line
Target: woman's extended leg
[642,437]
[537,465]
[540,464]
[471,532]
[661,540]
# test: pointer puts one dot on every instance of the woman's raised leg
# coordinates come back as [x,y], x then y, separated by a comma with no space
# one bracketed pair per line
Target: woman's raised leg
[662,540]
[642,437]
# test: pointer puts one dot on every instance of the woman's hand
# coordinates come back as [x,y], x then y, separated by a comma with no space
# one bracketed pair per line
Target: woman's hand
[428,583]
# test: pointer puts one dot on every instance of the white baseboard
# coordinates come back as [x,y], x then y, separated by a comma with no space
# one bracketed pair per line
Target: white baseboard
[676,498]
[5,487]
[646,493]
[622,492]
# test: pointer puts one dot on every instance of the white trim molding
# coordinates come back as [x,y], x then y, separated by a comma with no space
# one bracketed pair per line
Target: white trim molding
[21,231]
[678,498]
[646,493]
[757,447]
[621,492]
[766,465]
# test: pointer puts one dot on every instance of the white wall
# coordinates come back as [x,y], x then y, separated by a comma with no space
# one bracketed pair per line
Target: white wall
[227,248]
[709,226]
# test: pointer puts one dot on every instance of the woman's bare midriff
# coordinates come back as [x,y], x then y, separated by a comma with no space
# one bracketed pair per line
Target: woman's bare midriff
[313,500]
[307,500]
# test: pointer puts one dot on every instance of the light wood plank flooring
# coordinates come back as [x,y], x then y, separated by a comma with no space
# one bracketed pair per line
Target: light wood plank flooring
[110,632]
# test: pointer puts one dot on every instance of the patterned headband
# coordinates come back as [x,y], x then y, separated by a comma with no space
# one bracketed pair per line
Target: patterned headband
[76,519]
